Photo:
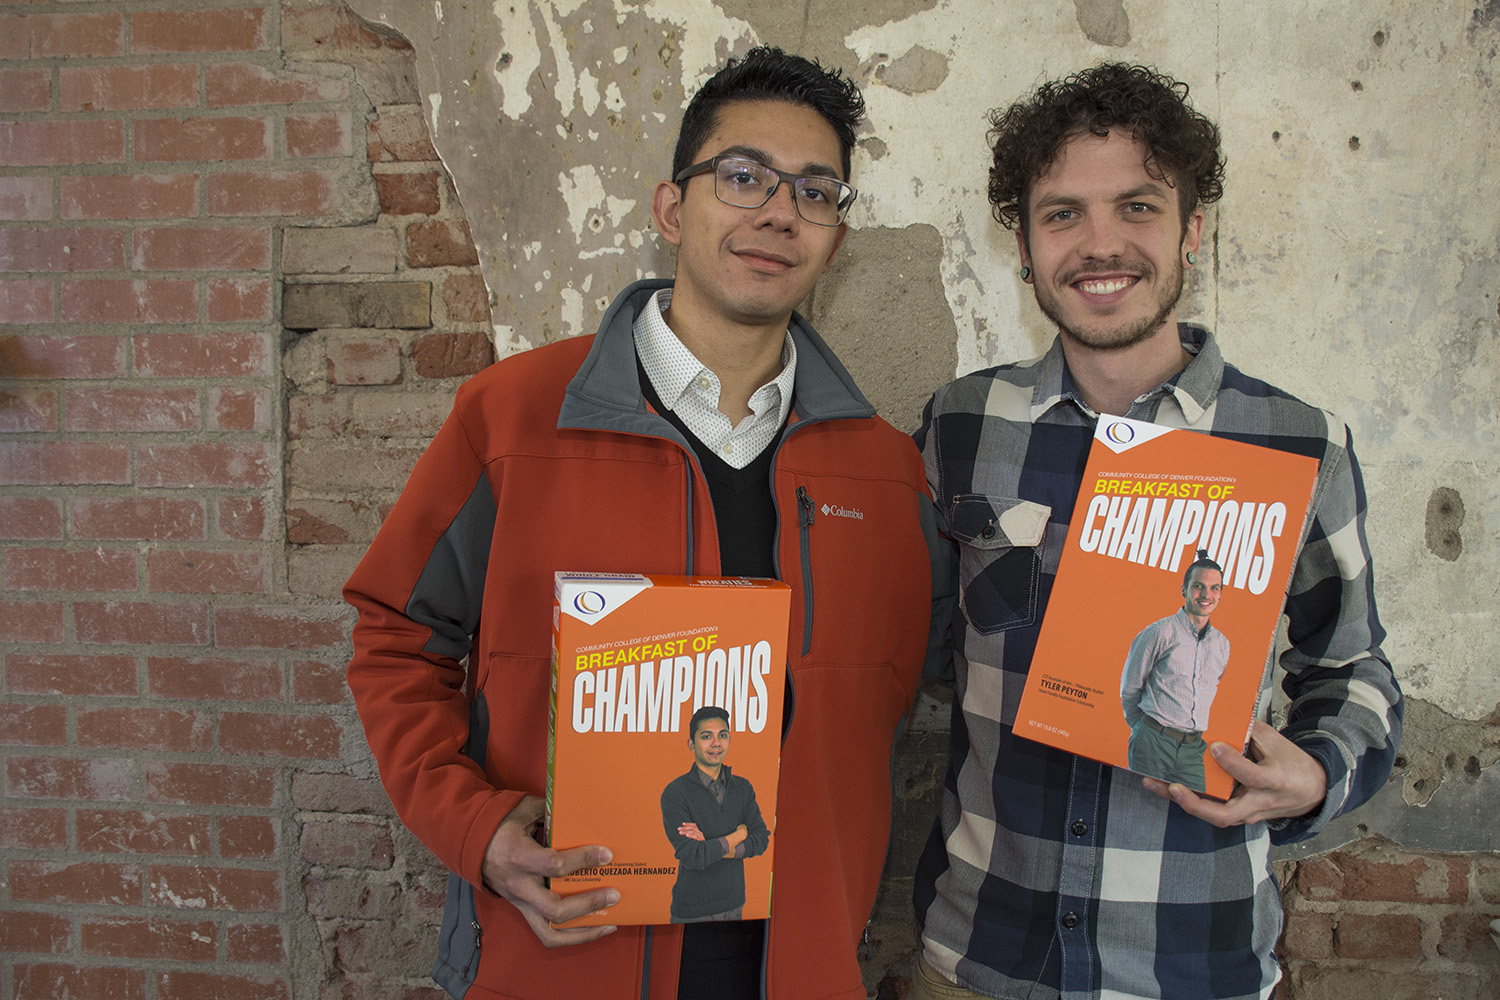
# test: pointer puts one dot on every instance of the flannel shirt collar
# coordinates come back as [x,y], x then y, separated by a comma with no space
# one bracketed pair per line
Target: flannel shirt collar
[1194,388]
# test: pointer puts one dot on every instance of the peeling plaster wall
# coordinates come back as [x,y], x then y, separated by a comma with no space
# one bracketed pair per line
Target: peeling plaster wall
[1353,260]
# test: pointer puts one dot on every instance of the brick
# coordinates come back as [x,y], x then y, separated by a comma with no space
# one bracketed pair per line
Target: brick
[325,522]
[332,32]
[214,679]
[281,627]
[1306,935]
[87,883]
[347,844]
[26,199]
[105,779]
[386,305]
[62,357]
[163,729]
[220,986]
[223,888]
[364,360]
[165,31]
[451,355]
[318,416]
[133,831]
[49,982]
[27,410]
[33,933]
[239,300]
[440,243]
[305,192]
[69,36]
[142,623]
[313,135]
[64,569]
[466,298]
[30,517]
[177,571]
[343,896]
[187,139]
[408,193]
[61,143]
[149,937]
[339,793]
[243,518]
[258,943]
[25,90]
[316,683]
[238,466]
[399,135]
[342,250]
[38,250]
[129,301]
[160,410]
[1391,875]
[345,467]
[63,463]
[321,572]
[209,248]
[71,676]
[1377,935]
[210,784]
[247,837]
[1487,878]
[31,621]
[242,83]
[25,301]
[1465,938]
[34,829]
[238,409]
[128,88]
[270,735]
[1344,981]
[197,355]
[33,725]
[130,196]
[145,518]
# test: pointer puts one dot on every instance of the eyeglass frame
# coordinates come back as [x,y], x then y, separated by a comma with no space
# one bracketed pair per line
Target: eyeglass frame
[712,165]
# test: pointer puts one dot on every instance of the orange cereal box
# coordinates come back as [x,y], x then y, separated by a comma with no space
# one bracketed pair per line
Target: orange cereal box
[665,741]
[1162,619]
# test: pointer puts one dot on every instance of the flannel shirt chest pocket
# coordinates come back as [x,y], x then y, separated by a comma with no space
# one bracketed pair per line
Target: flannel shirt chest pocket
[1000,559]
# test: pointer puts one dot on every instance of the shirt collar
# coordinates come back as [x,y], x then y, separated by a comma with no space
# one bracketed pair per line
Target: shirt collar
[672,368]
[1194,387]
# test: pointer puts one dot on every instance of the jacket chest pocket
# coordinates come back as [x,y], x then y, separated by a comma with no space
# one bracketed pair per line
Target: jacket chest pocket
[1000,559]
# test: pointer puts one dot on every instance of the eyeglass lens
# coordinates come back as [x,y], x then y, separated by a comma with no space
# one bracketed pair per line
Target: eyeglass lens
[747,184]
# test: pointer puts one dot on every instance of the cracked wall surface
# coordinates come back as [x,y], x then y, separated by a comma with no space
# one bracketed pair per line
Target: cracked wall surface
[1354,260]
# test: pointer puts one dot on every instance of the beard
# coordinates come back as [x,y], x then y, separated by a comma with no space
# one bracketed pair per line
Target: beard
[1114,335]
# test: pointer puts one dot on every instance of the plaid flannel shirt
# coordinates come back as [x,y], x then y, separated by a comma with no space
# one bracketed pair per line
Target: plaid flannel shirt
[1050,875]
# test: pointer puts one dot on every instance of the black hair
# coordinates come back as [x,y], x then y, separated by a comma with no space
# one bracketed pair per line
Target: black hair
[766,73]
[1182,145]
[706,712]
[1202,562]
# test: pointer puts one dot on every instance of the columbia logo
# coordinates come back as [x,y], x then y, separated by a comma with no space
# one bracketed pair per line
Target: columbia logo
[834,510]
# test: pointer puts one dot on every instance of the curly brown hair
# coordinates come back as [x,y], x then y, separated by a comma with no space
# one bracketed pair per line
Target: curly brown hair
[1150,106]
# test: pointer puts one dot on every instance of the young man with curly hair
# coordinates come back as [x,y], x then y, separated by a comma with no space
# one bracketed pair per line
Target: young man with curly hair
[702,431]
[1050,875]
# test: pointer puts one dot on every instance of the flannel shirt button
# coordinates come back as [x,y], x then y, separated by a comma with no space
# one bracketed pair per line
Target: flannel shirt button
[1080,828]
[989,531]
[1070,920]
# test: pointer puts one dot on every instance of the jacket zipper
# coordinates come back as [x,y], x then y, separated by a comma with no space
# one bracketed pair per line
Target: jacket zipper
[804,525]
[474,955]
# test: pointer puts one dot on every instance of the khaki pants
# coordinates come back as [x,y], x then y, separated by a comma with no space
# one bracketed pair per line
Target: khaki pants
[929,984]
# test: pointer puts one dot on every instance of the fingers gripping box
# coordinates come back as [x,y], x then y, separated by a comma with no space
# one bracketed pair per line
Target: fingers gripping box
[688,810]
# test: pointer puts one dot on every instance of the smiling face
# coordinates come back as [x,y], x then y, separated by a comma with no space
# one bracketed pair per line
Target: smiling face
[1200,594]
[710,743]
[1105,243]
[750,266]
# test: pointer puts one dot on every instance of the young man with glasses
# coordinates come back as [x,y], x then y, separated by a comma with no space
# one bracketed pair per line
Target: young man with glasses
[706,430]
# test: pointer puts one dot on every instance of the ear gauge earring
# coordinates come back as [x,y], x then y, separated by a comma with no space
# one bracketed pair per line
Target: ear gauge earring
[1192,258]
[1025,273]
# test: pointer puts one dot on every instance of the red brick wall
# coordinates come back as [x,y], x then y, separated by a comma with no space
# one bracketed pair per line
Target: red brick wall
[187,808]
[237,291]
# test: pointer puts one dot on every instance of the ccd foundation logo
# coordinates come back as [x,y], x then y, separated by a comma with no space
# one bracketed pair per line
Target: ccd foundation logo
[1120,432]
[589,602]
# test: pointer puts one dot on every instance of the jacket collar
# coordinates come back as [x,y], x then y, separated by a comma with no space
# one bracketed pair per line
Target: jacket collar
[605,394]
[1194,387]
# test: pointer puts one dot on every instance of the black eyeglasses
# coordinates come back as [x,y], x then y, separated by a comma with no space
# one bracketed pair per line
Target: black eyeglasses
[743,183]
